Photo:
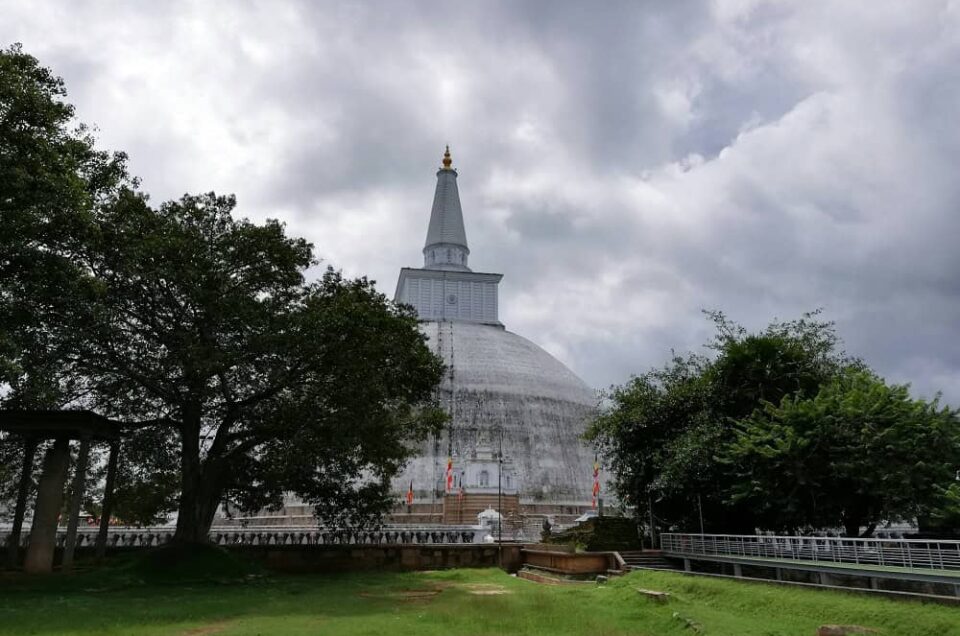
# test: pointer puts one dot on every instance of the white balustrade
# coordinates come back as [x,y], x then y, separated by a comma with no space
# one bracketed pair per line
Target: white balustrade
[130,537]
[906,553]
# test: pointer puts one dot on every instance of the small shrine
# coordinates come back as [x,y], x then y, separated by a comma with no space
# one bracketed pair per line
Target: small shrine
[483,479]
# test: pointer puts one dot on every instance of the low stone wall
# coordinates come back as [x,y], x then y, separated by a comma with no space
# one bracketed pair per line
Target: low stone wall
[551,547]
[397,558]
[570,563]
[549,579]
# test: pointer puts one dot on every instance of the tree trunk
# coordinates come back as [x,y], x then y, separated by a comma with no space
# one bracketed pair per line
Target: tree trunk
[653,524]
[200,488]
[198,505]
[851,527]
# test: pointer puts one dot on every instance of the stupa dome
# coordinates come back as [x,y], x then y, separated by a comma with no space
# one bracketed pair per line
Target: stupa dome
[497,380]
[491,360]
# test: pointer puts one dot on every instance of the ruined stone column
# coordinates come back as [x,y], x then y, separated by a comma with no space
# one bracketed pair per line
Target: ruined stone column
[106,509]
[43,533]
[23,489]
[76,498]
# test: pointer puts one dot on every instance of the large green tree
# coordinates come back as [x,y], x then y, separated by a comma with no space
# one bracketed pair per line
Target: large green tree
[273,384]
[779,430]
[663,432]
[857,453]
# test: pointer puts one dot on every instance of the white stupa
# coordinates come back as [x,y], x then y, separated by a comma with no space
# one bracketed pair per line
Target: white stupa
[499,387]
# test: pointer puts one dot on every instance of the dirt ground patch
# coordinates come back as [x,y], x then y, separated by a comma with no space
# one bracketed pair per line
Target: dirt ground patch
[206,630]
[409,596]
[485,589]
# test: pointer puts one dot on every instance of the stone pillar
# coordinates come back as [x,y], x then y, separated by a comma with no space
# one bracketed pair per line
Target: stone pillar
[686,566]
[779,572]
[737,570]
[106,508]
[76,497]
[23,489]
[43,533]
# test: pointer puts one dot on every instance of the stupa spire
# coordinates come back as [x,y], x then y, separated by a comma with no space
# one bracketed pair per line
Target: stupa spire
[445,288]
[446,245]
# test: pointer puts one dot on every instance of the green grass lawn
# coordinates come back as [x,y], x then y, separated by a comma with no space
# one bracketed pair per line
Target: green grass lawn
[448,603]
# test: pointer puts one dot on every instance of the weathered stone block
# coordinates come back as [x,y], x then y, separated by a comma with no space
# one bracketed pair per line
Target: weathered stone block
[654,595]
[843,630]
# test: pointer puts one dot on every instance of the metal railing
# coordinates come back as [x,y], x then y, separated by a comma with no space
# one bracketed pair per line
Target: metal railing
[901,553]
[129,537]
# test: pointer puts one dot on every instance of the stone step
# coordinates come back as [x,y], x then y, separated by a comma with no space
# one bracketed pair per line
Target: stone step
[647,559]
[539,575]
[654,566]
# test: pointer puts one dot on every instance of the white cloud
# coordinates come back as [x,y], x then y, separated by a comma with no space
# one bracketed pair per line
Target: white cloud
[624,167]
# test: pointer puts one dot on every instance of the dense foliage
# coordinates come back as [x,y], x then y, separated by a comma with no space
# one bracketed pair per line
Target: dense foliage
[858,452]
[944,515]
[148,478]
[598,534]
[52,179]
[777,430]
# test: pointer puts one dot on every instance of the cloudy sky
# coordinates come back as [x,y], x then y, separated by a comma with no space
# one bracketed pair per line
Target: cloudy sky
[623,164]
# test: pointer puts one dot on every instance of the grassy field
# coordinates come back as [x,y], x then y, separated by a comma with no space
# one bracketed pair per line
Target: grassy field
[448,603]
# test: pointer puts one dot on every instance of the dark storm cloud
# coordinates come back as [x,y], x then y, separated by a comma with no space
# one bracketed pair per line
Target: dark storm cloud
[624,164]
